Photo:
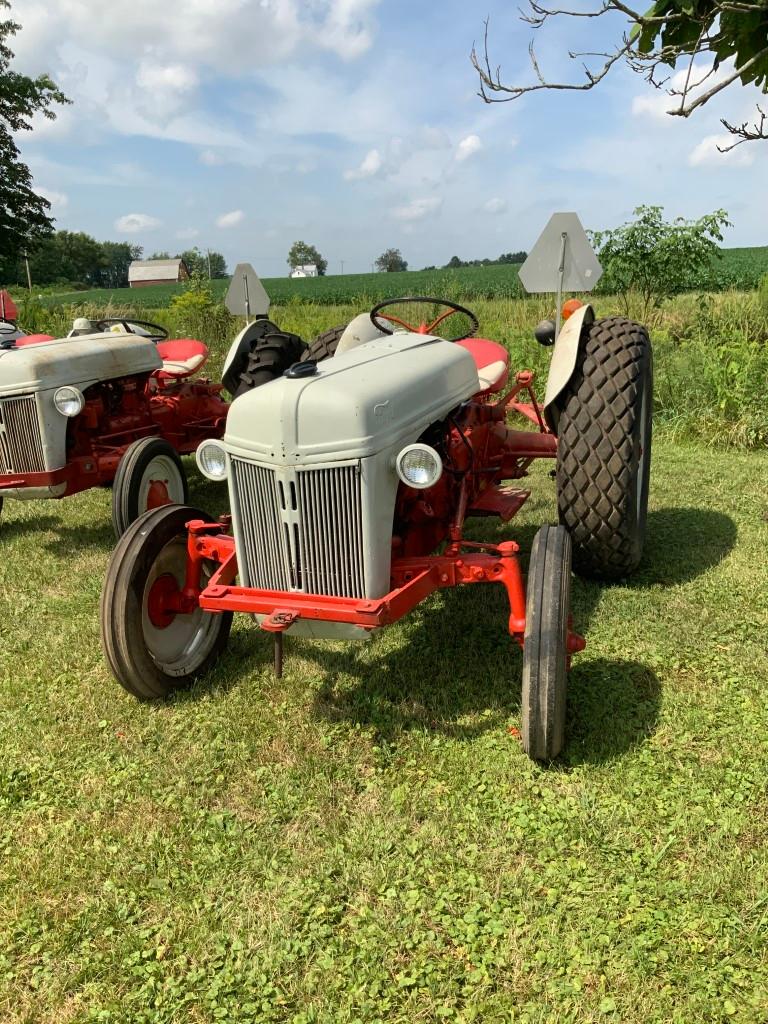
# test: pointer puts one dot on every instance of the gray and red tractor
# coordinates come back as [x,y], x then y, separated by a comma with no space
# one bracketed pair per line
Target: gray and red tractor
[118,402]
[351,480]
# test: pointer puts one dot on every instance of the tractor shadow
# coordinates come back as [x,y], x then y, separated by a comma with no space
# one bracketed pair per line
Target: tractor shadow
[11,528]
[681,544]
[459,674]
[456,671]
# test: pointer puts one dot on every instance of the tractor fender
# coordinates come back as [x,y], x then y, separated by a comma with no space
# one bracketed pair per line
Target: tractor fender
[563,362]
[239,347]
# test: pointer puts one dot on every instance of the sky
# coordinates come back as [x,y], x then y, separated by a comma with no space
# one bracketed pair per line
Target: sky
[355,125]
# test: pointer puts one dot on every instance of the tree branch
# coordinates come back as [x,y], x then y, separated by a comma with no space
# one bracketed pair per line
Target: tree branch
[703,29]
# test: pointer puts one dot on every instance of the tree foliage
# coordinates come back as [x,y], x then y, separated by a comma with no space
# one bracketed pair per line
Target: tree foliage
[390,261]
[715,43]
[24,215]
[301,254]
[198,262]
[653,258]
[506,257]
[74,258]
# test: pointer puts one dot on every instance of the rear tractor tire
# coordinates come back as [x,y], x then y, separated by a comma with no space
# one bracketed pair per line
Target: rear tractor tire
[270,356]
[324,345]
[604,448]
[153,653]
[545,644]
[150,474]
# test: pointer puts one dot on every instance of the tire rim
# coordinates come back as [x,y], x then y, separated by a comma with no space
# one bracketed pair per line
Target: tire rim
[642,454]
[161,484]
[183,645]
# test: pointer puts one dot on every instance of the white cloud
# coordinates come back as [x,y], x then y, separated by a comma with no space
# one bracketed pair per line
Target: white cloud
[417,209]
[229,220]
[58,200]
[706,153]
[191,37]
[371,165]
[165,87]
[132,223]
[187,234]
[468,147]
[495,205]
[210,158]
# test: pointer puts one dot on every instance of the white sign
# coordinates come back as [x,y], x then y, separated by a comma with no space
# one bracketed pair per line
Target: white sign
[562,260]
[246,295]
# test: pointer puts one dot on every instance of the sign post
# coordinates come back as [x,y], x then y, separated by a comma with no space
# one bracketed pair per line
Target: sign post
[246,295]
[562,260]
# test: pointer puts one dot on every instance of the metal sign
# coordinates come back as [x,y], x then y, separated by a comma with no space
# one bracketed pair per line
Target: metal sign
[8,309]
[246,295]
[562,260]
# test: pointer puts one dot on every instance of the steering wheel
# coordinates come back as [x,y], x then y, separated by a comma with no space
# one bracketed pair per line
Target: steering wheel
[156,331]
[8,333]
[380,320]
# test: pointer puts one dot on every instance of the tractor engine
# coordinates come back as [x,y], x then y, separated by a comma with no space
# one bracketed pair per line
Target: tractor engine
[34,381]
[316,499]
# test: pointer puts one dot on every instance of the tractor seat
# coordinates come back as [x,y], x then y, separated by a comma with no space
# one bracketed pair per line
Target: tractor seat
[33,339]
[492,362]
[181,358]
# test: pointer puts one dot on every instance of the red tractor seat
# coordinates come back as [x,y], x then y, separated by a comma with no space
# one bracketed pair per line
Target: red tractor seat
[33,339]
[492,362]
[181,358]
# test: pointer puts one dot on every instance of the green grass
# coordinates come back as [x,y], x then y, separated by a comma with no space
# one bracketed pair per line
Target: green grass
[467,282]
[364,840]
[738,268]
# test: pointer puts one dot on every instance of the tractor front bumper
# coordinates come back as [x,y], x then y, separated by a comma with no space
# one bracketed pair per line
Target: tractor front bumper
[412,580]
[26,486]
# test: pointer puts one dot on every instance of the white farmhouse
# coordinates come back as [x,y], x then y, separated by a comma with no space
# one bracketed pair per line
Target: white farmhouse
[305,270]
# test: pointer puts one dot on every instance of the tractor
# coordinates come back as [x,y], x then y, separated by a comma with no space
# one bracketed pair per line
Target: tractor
[352,476]
[117,402]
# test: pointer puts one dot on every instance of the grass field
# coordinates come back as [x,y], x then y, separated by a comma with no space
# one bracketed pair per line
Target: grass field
[738,268]
[364,840]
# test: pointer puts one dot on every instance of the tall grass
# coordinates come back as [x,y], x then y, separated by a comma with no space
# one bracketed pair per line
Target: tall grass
[710,351]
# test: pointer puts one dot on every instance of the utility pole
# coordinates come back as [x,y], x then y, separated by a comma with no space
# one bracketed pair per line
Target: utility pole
[29,275]
[209,263]
[342,265]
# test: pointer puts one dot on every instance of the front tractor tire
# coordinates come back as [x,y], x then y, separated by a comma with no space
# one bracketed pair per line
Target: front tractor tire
[545,644]
[153,653]
[150,474]
[604,448]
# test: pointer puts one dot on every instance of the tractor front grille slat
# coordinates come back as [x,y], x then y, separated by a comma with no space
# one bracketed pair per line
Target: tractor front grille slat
[21,444]
[300,529]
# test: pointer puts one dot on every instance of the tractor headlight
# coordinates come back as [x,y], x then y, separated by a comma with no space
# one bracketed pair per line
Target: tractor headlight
[69,401]
[212,460]
[419,466]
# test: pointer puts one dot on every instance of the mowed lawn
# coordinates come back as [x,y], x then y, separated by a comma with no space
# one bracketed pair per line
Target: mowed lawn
[364,840]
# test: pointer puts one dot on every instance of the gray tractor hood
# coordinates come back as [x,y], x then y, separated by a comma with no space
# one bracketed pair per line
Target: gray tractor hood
[79,361]
[359,403]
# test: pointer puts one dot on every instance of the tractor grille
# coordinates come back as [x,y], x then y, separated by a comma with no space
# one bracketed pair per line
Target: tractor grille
[300,529]
[21,445]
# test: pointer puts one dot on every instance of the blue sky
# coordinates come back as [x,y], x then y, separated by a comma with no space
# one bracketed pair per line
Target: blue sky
[355,125]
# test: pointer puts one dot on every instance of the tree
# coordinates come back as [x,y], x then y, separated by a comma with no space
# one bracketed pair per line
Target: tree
[23,214]
[699,37]
[300,254]
[653,258]
[198,262]
[160,256]
[390,261]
